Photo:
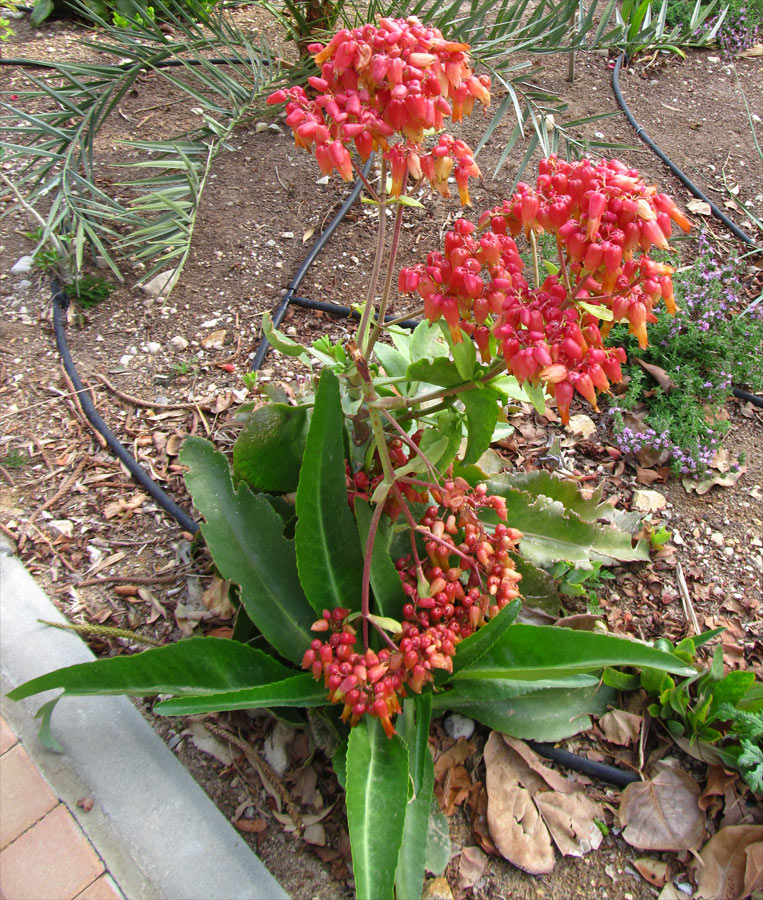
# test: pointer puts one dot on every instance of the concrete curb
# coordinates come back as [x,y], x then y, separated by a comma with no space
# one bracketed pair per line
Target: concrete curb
[157,831]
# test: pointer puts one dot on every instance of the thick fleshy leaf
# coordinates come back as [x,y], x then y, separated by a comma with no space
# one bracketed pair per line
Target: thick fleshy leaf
[298,690]
[329,558]
[544,651]
[481,417]
[478,690]
[439,846]
[268,451]
[245,537]
[549,715]
[193,666]
[537,586]
[552,533]
[476,645]
[414,730]
[465,359]
[377,798]
[549,485]
[385,579]
[441,372]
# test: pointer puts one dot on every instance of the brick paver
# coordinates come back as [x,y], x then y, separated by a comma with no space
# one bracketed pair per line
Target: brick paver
[52,859]
[24,794]
[7,737]
[102,889]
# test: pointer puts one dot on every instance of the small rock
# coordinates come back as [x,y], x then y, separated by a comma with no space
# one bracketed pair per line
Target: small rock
[324,179]
[179,342]
[24,284]
[215,340]
[62,526]
[713,59]
[287,234]
[153,347]
[649,501]
[125,360]
[162,379]
[154,286]
[23,266]
[260,127]
[275,128]
[458,726]
[438,889]
[717,538]
[274,748]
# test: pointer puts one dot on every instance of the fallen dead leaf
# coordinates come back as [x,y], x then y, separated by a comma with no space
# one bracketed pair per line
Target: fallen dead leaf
[315,834]
[660,375]
[524,815]
[515,823]
[664,813]
[215,340]
[700,207]
[655,871]
[208,743]
[216,598]
[251,826]
[649,476]
[752,52]
[471,867]
[437,889]
[582,425]
[620,727]
[731,863]
[703,485]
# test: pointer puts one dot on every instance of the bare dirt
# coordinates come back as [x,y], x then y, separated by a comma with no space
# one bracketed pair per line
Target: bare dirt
[108,555]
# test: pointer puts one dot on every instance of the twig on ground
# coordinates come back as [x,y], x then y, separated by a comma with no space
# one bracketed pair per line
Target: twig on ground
[263,768]
[686,599]
[138,401]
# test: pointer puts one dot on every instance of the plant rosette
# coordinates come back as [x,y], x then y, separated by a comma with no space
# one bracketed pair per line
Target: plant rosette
[377,565]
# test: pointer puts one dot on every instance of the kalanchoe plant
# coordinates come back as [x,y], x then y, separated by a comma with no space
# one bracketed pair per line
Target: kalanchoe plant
[378,568]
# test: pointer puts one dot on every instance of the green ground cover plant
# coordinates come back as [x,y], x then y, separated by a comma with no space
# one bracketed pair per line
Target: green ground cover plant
[714,342]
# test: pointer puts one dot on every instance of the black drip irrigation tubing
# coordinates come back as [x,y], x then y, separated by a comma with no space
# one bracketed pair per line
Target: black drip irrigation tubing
[60,305]
[681,176]
[592,768]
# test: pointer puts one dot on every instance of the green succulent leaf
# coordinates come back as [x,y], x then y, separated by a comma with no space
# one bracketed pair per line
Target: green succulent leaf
[279,340]
[329,557]
[268,451]
[245,537]
[482,408]
[377,797]
[440,371]
[190,667]
[414,730]
[471,649]
[298,690]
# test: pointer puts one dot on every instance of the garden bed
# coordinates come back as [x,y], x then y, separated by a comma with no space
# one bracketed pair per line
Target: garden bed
[162,370]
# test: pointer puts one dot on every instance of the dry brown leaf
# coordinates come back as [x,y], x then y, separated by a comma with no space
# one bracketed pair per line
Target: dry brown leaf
[550,778]
[649,476]
[620,727]
[515,823]
[655,871]
[703,485]
[660,375]
[664,813]
[208,743]
[571,820]
[216,598]
[582,425]
[700,207]
[215,340]
[471,867]
[251,826]
[752,52]
[753,874]
[723,874]
[315,834]
[438,889]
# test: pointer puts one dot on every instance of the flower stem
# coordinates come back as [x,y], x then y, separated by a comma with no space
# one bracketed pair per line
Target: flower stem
[536,264]
[563,266]
[379,322]
[412,444]
[374,281]
[399,402]
[365,599]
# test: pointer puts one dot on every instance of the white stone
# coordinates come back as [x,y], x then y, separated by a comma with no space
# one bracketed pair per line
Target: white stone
[62,526]
[717,538]
[210,323]
[648,501]
[125,360]
[154,286]
[153,347]
[458,726]
[179,343]
[23,266]
[24,284]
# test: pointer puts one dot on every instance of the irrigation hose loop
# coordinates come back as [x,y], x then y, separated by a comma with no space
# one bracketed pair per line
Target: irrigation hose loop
[681,176]
[323,239]
[60,305]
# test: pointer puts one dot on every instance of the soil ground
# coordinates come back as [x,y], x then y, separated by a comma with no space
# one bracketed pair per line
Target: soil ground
[109,555]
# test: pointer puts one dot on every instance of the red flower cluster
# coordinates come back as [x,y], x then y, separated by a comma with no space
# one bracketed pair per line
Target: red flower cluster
[398,77]
[467,579]
[363,485]
[602,215]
